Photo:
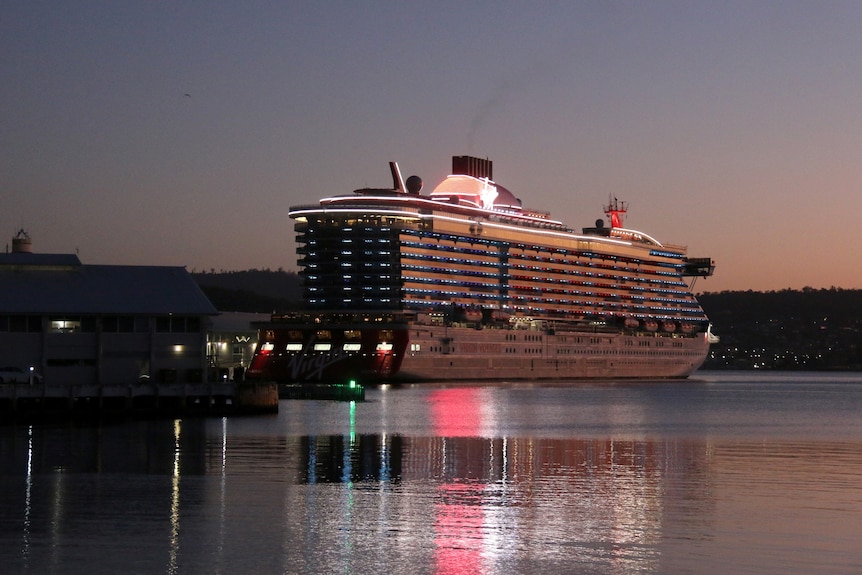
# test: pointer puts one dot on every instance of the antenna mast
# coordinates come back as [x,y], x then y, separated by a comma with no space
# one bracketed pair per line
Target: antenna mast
[616,210]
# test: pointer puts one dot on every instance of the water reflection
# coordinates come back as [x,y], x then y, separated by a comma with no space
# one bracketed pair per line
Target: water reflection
[175,501]
[460,496]
[349,459]
[585,500]
[482,501]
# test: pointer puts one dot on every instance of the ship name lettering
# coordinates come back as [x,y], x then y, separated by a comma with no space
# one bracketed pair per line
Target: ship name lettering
[306,365]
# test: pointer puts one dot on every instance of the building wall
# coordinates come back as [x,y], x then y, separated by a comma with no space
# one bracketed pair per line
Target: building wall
[21,349]
[87,353]
[124,356]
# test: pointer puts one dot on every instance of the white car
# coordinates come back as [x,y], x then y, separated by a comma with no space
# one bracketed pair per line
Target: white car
[17,375]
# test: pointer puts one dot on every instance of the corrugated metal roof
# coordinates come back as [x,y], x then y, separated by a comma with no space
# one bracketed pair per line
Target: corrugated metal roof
[99,289]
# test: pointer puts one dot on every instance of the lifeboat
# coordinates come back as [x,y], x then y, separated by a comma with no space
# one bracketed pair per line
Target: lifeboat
[473,314]
[651,325]
[631,322]
[500,315]
[669,326]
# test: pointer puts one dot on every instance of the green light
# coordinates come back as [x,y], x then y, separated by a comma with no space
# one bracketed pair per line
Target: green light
[352,383]
[352,422]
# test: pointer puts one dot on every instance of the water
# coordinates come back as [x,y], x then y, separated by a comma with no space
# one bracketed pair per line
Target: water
[724,473]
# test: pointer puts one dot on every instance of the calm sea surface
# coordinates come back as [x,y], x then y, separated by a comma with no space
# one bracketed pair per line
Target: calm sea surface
[724,473]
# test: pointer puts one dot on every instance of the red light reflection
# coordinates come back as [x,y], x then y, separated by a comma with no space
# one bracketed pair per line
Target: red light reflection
[456,412]
[458,529]
[459,516]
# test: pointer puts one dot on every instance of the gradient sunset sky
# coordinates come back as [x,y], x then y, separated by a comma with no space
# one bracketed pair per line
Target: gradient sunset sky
[180,133]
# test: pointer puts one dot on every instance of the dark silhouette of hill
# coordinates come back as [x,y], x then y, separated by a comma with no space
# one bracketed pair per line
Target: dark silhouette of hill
[259,291]
[788,329]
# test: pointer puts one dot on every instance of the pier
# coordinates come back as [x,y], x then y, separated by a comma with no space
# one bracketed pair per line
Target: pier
[351,391]
[24,401]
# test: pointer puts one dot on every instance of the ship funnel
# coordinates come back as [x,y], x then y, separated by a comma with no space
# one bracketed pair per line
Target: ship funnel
[21,243]
[470,166]
[397,180]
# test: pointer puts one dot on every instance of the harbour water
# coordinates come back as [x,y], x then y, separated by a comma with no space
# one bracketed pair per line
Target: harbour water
[742,472]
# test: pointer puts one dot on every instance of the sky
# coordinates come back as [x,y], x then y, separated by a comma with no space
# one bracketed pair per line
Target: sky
[181,133]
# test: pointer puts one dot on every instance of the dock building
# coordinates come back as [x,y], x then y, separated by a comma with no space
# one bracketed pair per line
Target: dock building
[74,323]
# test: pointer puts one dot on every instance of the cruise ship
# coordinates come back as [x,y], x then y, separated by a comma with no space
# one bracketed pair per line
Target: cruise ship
[465,283]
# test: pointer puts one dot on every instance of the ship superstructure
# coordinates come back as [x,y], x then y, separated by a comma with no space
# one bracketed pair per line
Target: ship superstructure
[466,283]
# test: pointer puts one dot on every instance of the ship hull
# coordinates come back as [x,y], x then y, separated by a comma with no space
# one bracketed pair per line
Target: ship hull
[410,352]
[487,355]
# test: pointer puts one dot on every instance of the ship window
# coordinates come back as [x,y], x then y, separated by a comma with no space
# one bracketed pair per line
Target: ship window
[352,346]
[352,335]
[324,334]
[293,347]
[322,346]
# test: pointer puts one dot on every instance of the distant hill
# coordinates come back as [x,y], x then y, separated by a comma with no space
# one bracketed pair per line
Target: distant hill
[787,329]
[260,291]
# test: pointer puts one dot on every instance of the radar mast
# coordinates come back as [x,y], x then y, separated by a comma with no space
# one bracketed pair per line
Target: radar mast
[616,210]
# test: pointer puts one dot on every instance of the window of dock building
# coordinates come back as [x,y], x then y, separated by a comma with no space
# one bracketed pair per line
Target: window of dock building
[65,324]
[21,323]
[70,362]
[178,324]
[118,324]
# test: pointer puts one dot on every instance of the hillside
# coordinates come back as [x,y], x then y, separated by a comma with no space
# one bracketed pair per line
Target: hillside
[788,329]
[259,291]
